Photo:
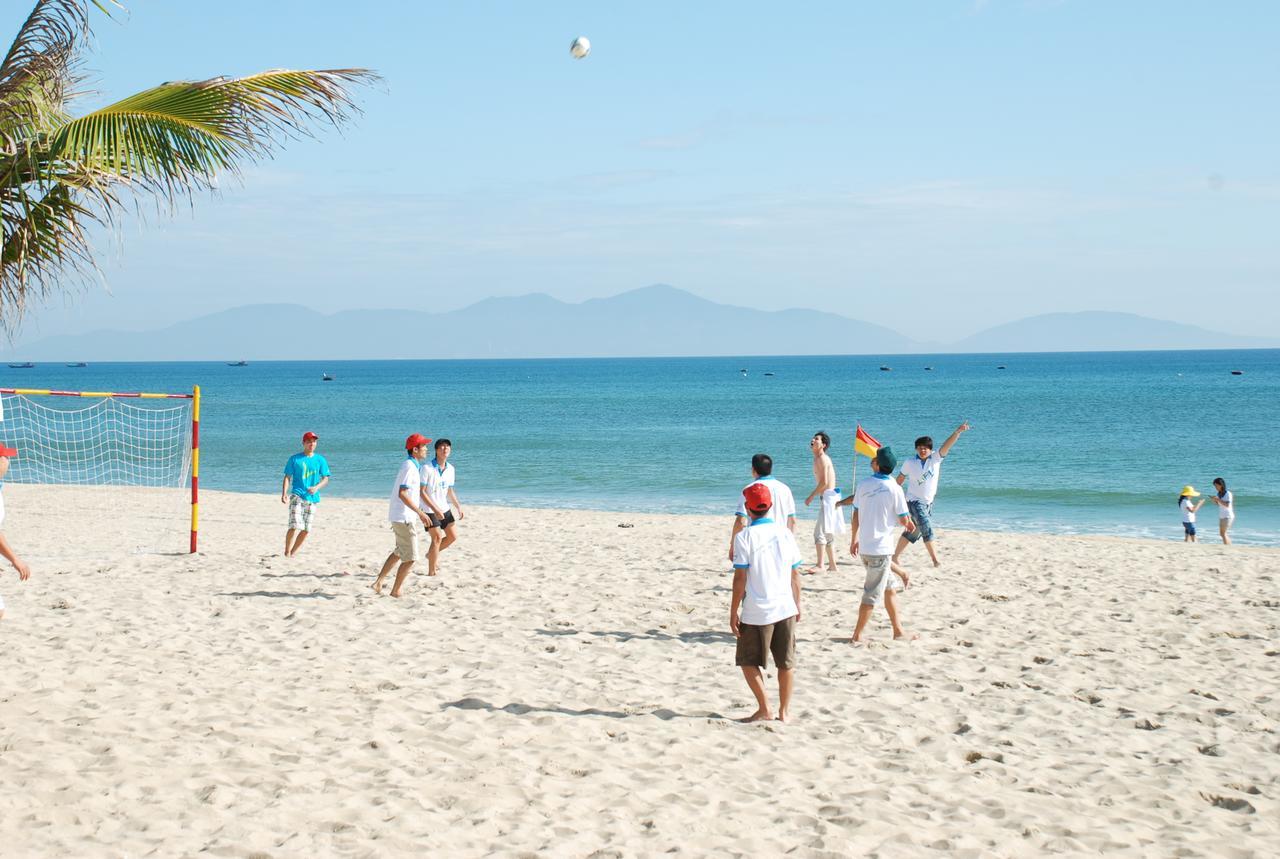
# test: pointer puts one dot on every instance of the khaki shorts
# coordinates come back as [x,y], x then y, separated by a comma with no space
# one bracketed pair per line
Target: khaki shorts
[821,537]
[755,643]
[406,541]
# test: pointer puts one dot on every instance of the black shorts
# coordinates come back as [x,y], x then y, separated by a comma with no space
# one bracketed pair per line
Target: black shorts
[437,522]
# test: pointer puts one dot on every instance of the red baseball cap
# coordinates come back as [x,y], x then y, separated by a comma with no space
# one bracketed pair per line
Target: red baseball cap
[416,440]
[758,497]
[8,451]
[310,436]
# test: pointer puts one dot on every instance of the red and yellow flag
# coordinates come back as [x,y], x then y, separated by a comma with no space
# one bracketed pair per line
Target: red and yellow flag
[864,444]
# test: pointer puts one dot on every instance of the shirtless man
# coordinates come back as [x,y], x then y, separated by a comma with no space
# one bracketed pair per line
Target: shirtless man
[830,520]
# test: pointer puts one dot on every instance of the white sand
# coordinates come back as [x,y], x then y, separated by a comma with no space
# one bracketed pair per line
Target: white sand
[567,687]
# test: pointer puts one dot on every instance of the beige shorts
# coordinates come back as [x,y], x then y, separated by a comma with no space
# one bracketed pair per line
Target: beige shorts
[406,541]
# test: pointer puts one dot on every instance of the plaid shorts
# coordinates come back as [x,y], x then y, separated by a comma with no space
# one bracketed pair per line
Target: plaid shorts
[300,513]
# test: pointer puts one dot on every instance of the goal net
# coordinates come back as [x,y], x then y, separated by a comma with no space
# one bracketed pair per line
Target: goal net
[110,471]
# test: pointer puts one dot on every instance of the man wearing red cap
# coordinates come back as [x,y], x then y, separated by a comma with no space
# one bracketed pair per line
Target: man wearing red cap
[766,587]
[305,474]
[404,512]
[24,572]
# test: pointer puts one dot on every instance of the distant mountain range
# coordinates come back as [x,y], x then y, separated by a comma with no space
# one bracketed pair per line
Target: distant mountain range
[653,321]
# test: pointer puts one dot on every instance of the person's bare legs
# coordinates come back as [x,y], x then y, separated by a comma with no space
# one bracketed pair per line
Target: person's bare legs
[433,554]
[933,554]
[450,537]
[891,606]
[1224,525]
[401,575]
[390,562]
[288,541]
[297,544]
[864,614]
[755,679]
[817,563]
[903,542]
[831,556]
[785,679]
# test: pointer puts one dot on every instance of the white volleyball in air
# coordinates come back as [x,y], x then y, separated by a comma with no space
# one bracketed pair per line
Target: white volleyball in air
[580,48]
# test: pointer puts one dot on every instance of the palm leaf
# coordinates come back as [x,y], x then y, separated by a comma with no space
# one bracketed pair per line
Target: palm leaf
[178,137]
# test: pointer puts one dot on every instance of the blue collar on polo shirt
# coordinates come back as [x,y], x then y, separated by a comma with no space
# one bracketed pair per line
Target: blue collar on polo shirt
[880,476]
[762,521]
[435,462]
[924,459]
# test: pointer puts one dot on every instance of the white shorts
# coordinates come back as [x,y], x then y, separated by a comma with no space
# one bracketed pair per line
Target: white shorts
[301,513]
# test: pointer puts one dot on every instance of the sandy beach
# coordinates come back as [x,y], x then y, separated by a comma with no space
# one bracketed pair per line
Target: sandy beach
[567,687]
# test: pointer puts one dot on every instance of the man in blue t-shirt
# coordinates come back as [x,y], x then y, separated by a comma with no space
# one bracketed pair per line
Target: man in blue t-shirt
[305,474]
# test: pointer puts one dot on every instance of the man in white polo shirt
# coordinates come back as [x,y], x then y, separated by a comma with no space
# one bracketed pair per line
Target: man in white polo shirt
[783,509]
[766,587]
[919,475]
[6,551]
[878,508]
[437,492]
[403,512]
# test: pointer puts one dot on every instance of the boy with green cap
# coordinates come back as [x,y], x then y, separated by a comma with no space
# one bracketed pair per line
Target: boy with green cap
[879,505]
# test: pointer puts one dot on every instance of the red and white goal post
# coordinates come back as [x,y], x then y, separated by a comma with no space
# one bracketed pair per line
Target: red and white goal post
[116,439]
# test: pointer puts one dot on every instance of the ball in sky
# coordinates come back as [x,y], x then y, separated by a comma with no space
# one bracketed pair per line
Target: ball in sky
[580,48]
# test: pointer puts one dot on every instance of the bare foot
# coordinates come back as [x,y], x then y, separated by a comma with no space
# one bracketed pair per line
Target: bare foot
[903,635]
[377,586]
[784,716]
[812,571]
[396,594]
[430,574]
[856,639]
[757,716]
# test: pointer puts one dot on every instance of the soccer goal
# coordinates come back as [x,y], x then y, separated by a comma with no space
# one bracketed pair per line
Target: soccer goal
[126,456]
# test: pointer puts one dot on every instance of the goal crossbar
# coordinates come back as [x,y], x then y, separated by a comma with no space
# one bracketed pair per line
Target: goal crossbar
[194,397]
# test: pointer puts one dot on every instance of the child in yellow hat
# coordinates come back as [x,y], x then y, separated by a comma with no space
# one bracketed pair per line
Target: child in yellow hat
[1189,509]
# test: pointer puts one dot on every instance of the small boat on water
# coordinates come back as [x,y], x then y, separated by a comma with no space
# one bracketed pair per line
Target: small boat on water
[929,368]
[25,365]
[743,371]
[768,374]
[1000,366]
[77,364]
[325,377]
[1237,372]
[237,363]
[885,368]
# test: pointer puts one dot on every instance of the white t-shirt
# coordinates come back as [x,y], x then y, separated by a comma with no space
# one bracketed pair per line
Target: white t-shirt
[409,477]
[438,482]
[1227,509]
[768,552]
[1188,510]
[784,505]
[922,477]
[879,502]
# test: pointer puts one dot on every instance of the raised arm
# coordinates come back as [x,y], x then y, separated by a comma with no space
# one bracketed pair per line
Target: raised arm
[951,439]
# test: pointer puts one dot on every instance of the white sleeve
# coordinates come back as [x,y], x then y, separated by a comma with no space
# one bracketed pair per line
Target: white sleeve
[789,511]
[793,551]
[741,553]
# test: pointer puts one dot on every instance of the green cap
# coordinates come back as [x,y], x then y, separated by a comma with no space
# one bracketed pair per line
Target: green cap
[886,460]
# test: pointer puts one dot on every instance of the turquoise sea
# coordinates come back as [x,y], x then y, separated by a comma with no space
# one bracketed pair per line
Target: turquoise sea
[1062,443]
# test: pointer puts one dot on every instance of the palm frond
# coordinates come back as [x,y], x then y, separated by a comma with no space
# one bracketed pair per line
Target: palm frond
[37,69]
[177,137]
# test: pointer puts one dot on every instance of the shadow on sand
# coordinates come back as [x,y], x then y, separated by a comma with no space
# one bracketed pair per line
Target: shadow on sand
[700,637]
[314,595]
[525,709]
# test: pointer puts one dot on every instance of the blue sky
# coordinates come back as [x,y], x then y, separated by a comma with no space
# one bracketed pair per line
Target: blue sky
[938,166]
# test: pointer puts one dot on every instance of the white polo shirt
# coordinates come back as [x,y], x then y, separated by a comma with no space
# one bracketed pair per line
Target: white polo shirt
[768,552]
[784,504]
[879,502]
[438,481]
[408,477]
[922,477]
